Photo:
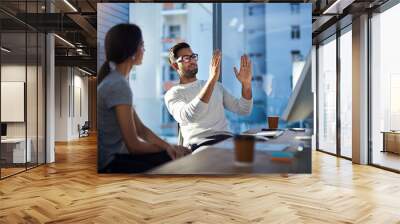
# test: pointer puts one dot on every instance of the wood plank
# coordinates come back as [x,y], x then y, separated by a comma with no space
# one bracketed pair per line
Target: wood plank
[71,191]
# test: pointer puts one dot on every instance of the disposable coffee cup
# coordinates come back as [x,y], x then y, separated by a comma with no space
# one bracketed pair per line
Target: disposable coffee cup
[273,122]
[244,150]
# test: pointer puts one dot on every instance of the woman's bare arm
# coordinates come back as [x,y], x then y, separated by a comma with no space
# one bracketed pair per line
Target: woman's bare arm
[129,132]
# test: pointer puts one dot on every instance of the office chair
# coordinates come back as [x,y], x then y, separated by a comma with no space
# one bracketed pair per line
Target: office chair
[84,130]
[86,126]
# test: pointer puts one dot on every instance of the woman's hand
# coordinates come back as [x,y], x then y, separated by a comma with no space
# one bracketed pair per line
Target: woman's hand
[176,151]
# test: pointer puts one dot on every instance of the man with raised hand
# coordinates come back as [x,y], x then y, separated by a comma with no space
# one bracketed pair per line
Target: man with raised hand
[198,105]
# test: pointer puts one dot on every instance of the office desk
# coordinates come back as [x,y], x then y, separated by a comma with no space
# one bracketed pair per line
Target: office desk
[219,158]
[13,150]
[391,141]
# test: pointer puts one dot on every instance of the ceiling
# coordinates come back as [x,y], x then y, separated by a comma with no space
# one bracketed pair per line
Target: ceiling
[76,23]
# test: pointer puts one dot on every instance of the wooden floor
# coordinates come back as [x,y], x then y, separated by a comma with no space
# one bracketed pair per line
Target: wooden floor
[5,172]
[10,171]
[70,191]
[386,159]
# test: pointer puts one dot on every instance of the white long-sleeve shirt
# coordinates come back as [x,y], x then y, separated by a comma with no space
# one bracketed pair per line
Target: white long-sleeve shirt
[198,119]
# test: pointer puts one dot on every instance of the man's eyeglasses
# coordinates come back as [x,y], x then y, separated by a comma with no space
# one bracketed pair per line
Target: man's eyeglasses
[187,58]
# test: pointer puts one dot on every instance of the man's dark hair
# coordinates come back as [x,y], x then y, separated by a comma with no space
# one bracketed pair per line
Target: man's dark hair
[173,51]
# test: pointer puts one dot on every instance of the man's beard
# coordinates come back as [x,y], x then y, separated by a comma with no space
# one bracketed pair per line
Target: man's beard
[191,73]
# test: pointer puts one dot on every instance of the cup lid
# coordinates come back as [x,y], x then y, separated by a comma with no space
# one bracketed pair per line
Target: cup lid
[244,137]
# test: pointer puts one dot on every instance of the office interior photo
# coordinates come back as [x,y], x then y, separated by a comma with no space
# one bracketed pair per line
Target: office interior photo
[342,88]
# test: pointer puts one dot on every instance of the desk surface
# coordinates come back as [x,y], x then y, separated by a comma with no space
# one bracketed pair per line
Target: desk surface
[219,159]
[390,132]
[13,140]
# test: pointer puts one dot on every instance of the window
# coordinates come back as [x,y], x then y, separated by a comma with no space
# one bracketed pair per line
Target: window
[272,62]
[173,75]
[327,96]
[245,29]
[156,76]
[22,65]
[257,9]
[296,55]
[385,86]
[295,34]
[173,6]
[295,8]
[346,94]
[174,31]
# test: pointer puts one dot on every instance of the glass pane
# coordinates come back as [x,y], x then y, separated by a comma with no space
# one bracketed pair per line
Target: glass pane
[31,97]
[32,86]
[327,96]
[41,98]
[13,86]
[20,66]
[255,29]
[191,23]
[385,89]
[346,94]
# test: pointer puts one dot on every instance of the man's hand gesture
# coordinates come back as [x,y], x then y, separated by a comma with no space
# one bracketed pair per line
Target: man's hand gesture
[215,66]
[245,72]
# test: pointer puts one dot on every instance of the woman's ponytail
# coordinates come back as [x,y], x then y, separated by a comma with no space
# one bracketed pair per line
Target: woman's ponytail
[121,42]
[104,71]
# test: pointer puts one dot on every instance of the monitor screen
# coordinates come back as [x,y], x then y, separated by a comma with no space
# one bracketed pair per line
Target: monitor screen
[3,129]
[301,101]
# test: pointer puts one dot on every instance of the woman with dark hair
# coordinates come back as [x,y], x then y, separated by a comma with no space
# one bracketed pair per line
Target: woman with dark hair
[125,144]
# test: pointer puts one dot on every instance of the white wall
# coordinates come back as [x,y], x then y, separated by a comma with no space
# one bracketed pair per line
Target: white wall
[33,126]
[61,103]
[15,73]
[69,85]
[79,117]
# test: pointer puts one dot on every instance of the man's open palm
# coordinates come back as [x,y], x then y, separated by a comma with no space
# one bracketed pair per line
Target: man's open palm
[245,72]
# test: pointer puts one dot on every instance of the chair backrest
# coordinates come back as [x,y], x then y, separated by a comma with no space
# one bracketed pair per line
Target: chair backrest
[86,125]
[180,137]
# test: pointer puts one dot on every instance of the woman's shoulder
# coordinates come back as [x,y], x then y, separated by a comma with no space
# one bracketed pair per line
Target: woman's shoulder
[113,82]
[116,79]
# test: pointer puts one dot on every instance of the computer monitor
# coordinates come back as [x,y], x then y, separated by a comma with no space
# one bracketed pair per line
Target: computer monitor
[3,129]
[301,102]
